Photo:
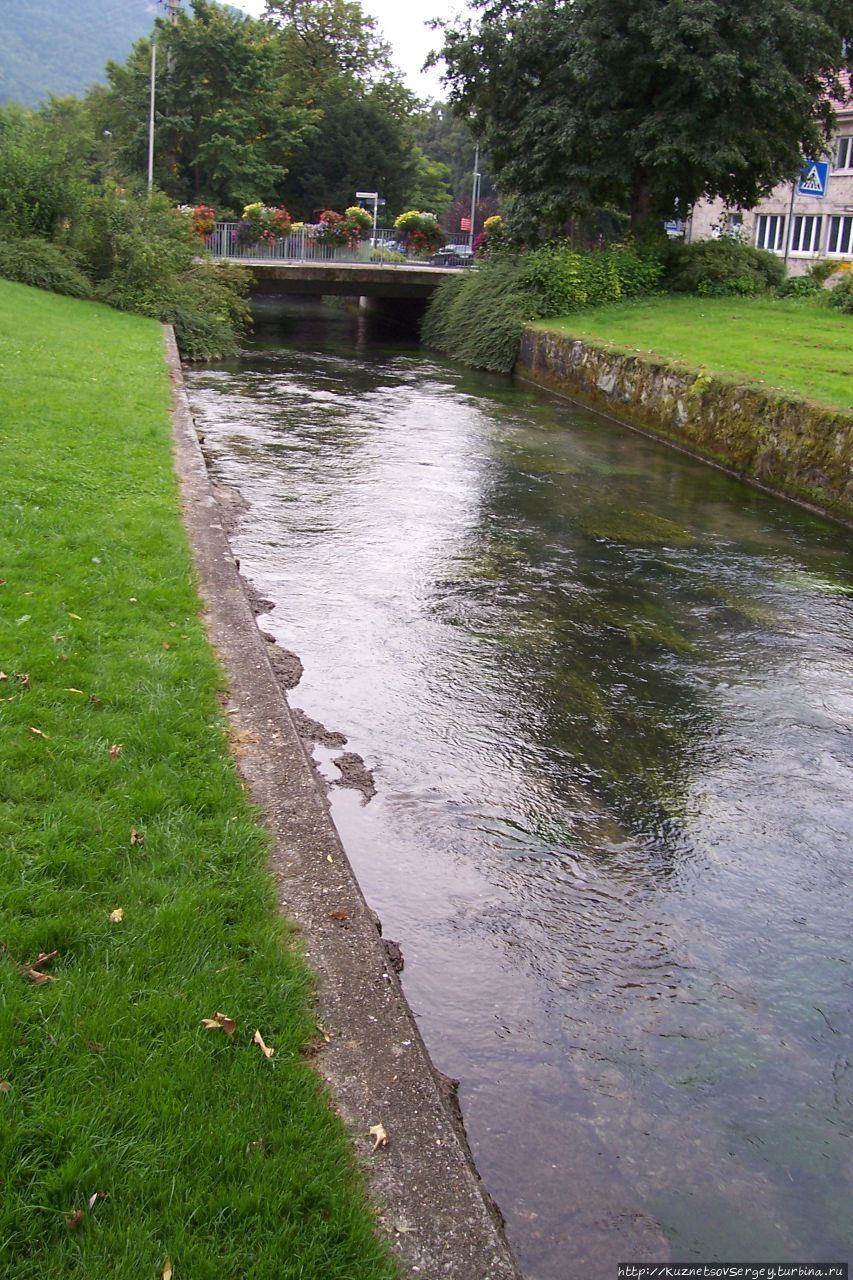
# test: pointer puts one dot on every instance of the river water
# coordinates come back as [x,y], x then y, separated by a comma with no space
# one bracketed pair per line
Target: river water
[606,695]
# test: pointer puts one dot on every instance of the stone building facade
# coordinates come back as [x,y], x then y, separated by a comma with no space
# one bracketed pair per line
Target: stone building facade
[800,227]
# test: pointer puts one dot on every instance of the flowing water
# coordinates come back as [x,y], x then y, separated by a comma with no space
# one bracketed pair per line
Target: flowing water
[606,695]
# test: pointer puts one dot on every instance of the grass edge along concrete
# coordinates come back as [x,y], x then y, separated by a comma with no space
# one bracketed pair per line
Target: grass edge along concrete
[139,917]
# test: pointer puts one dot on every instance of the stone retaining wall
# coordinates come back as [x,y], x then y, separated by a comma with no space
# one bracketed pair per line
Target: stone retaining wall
[796,449]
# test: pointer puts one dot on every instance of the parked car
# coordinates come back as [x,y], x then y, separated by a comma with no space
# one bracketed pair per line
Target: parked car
[452,255]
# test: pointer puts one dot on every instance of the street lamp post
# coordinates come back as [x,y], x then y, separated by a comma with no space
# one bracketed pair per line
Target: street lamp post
[475,192]
[172,14]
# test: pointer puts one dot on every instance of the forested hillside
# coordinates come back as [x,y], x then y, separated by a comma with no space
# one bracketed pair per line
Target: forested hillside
[55,46]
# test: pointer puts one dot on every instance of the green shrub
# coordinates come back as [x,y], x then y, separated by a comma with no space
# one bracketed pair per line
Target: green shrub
[841,295]
[44,266]
[479,318]
[798,287]
[821,271]
[37,192]
[722,268]
[145,258]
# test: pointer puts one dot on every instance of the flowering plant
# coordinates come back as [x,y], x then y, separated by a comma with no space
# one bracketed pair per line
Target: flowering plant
[263,223]
[358,221]
[492,237]
[332,229]
[420,231]
[204,219]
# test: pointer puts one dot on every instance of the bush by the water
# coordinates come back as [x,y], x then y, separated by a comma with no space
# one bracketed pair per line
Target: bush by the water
[143,256]
[722,268]
[43,266]
[479,317]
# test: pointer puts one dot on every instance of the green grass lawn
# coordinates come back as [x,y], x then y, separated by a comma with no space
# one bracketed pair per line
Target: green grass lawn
[800,348]
[189,1143]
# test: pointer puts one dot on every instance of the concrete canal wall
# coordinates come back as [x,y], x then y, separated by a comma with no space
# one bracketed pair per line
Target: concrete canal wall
[789,446]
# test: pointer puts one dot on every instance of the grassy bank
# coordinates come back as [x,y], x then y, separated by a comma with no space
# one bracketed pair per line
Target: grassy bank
[801,348]
[135,898]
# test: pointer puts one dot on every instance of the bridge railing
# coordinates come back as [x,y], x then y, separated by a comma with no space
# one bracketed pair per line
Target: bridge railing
[299,246]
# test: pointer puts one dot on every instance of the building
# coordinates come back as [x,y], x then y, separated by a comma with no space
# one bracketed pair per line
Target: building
[801,221]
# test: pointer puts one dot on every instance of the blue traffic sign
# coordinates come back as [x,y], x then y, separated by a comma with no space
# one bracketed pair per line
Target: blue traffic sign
[813,178]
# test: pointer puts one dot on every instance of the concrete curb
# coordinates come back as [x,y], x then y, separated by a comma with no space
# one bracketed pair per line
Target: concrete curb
[429,1198]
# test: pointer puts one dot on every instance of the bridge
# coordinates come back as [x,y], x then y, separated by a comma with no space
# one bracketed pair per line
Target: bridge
[299,264]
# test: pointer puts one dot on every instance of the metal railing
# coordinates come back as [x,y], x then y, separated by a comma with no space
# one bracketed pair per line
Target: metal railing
[302,246]
[299,246]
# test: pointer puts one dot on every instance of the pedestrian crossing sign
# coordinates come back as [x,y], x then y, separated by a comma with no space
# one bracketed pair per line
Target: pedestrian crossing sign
[813,178]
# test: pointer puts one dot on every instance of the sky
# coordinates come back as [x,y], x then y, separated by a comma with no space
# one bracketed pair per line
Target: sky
[405,28]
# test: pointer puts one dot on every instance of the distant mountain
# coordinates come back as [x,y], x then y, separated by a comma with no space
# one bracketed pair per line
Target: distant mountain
[62,46]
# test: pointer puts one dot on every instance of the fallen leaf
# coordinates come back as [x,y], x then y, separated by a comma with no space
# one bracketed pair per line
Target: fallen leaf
[73,691]
[25,617]
[380,1137]
[95,1197]
[117,916]
[3,675]
[37,732]
[264,1048]
[35,975]
[75,615]
[136,837]
[4,1086]
[220,1022]
[74,1219]
[167,1269]
[132,600]
[57,639]
[43,958]
[166,644]
[2,582]
[94,1046]
[338,915]
[115,751]
[23,678]
[93,697]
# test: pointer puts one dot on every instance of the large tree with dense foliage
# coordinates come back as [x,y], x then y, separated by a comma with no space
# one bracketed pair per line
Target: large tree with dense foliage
[227,123]
[646,104]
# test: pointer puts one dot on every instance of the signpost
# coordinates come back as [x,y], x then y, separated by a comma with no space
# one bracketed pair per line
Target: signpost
[814,176]
[374,196]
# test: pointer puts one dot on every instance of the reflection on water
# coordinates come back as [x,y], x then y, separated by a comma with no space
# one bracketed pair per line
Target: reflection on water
[606,694]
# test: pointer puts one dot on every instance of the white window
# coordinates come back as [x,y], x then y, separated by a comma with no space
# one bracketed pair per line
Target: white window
[840,239]
[770,232]
[805,233]
[844,152]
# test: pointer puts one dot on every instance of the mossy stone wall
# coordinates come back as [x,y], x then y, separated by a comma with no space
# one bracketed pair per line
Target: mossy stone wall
[797,449]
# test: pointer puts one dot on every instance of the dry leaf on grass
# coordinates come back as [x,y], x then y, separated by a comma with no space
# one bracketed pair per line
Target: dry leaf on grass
[33,971]
[37,732]
[379,1136]
[136,837]
[4,1086]
[95,1197]
[117,916]
[23,679]
[264,1048]
[115,751]
[3,675]
[167,1269]
[75,616]
[220,1022]
[73,1219]
[75,691]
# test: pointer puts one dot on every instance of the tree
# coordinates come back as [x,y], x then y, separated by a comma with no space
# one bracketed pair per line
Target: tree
[226,127]
[324,40]
[646,105]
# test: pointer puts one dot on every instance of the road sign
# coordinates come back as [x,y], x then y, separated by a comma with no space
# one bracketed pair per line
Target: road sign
[464,224]
[813,178]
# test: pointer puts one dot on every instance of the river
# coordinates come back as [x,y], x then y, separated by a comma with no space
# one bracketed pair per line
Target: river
[605,692]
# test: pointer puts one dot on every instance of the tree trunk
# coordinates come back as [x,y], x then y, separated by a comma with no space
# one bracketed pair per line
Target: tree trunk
[640,208]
